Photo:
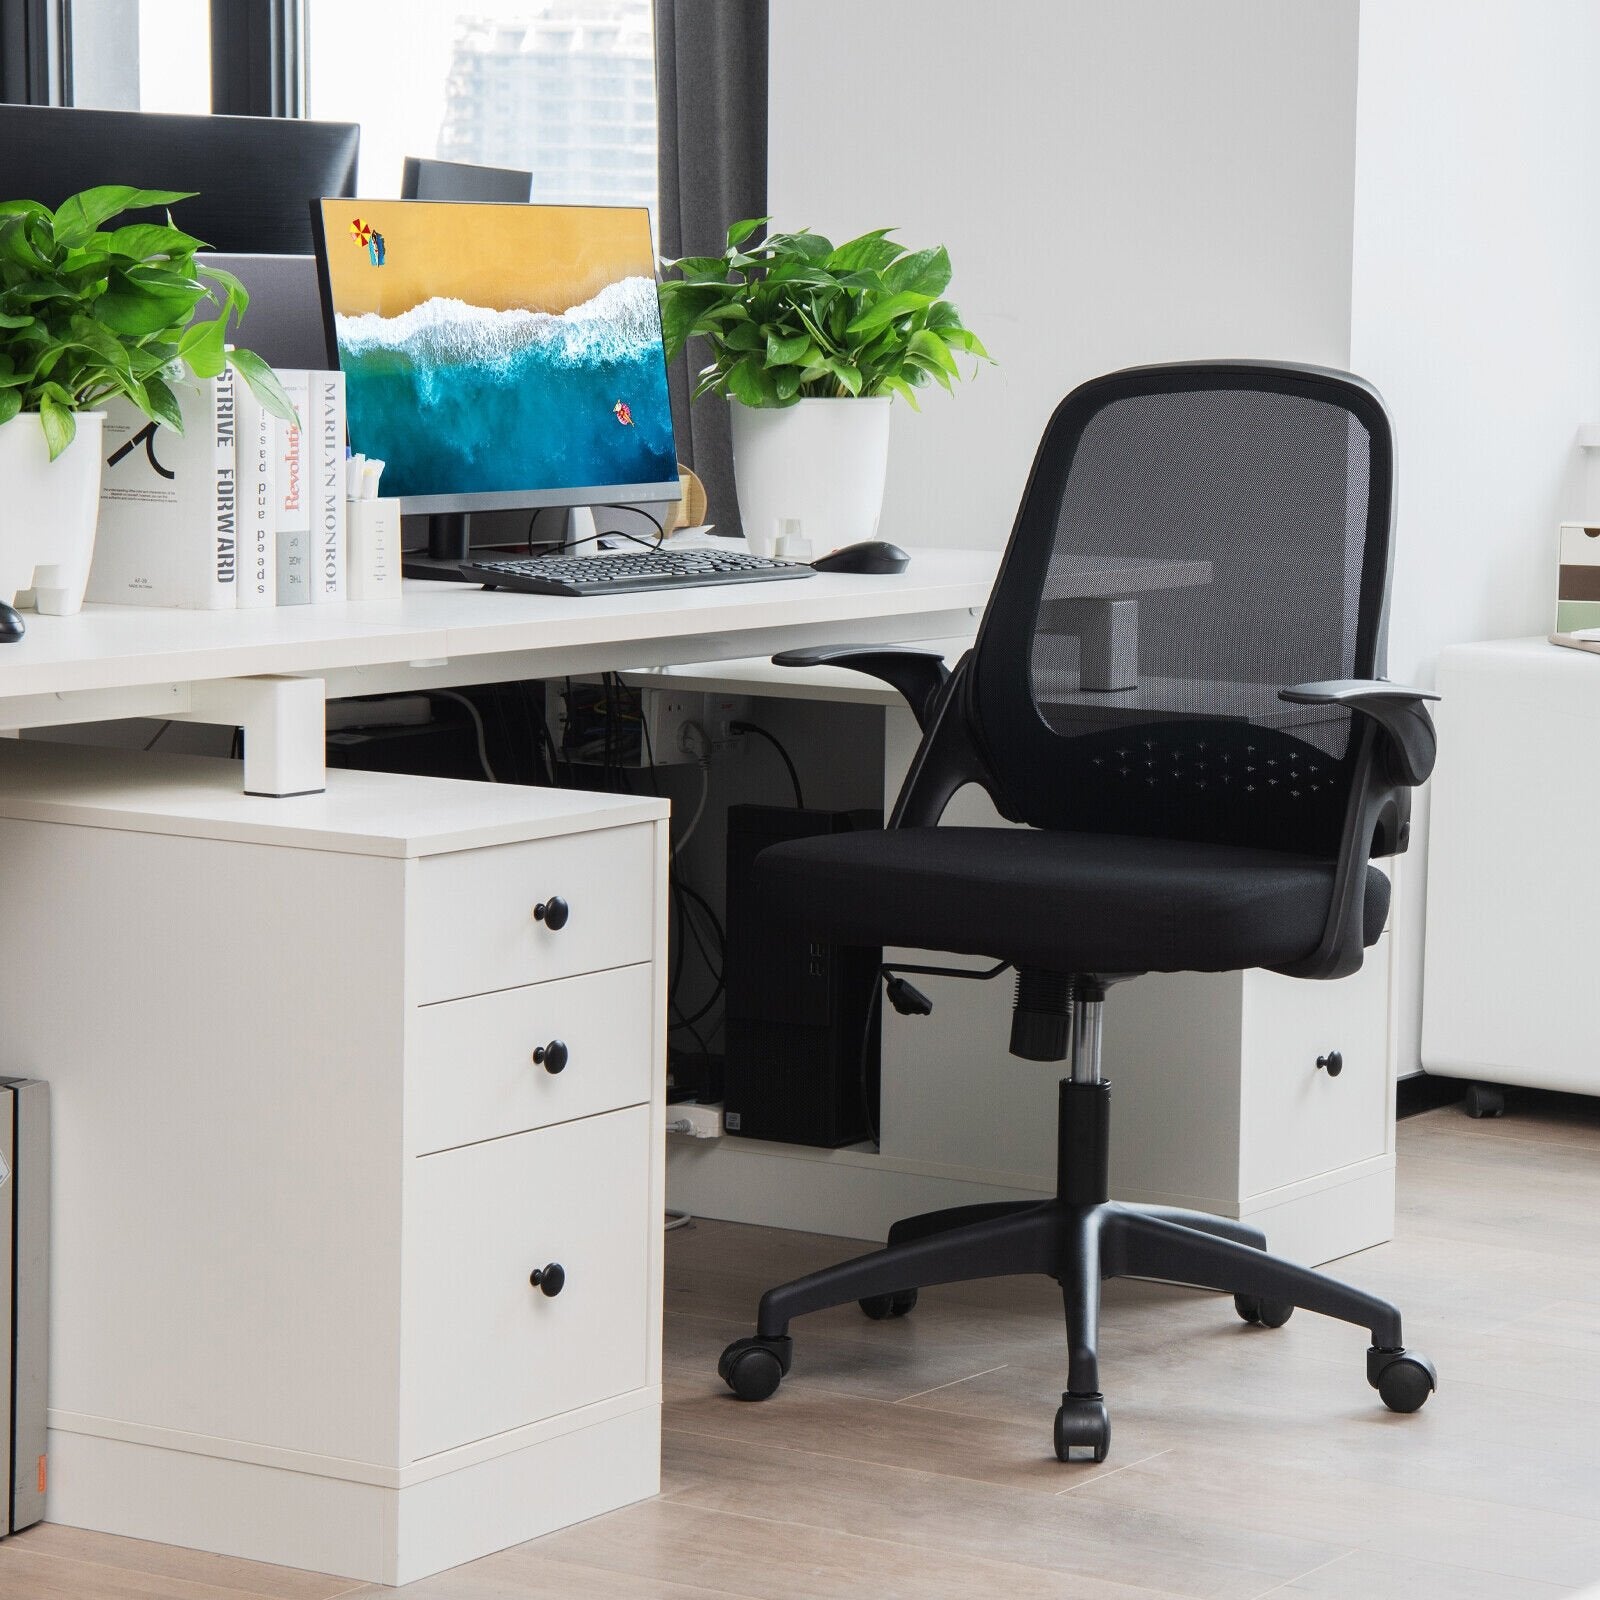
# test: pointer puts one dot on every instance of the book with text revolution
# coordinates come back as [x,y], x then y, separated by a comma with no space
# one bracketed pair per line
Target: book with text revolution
[169,504]
[325,428]
[258,510]
[293,493]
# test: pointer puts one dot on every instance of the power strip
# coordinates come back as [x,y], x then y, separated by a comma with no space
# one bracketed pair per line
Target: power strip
[694,1121]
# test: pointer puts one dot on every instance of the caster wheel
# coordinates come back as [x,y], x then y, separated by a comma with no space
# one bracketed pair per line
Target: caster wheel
[1263,1313]
[1403,1379]
[1484,1100]
[881,1307]
[1082,1423]
[753,1368]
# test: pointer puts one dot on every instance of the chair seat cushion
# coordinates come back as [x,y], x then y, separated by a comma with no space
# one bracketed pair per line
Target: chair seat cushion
[1069,902]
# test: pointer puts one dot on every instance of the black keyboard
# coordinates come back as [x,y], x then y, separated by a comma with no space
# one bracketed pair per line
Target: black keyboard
[633,571]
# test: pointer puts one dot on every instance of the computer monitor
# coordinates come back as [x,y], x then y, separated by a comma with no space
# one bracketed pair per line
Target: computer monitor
[425,179]
[251,176]
[500,357]
[284,323]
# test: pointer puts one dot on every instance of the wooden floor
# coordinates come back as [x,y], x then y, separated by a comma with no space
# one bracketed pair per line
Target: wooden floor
[914,1459]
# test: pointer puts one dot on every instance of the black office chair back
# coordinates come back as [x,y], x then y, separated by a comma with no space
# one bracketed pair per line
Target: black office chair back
[1245,510]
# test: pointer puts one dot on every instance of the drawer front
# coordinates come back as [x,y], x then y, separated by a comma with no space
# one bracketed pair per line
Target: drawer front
[1297,1121]
[471,920]
[472,1072]
[484,1350]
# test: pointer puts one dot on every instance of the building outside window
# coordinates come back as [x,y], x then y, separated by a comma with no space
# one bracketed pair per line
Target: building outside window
[564,89]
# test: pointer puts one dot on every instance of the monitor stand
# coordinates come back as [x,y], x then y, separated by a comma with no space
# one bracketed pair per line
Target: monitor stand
[449,542]
[447,549]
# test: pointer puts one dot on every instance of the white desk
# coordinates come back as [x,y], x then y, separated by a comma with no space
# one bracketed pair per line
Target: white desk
[254,668]
[303,1161]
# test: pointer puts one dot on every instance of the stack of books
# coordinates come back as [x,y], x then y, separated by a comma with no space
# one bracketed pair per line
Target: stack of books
[240,510]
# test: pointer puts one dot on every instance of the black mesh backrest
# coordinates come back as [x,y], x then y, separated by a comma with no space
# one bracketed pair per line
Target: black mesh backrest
[1245,509]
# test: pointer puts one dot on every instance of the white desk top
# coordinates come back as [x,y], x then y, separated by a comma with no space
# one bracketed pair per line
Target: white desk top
[360,813]
[106,647]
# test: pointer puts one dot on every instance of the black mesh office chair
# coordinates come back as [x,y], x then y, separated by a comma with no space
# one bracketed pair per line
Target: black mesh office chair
[1177,686]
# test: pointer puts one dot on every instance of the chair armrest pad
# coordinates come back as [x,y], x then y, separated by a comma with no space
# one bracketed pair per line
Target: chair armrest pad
[1401,712]
[918,675]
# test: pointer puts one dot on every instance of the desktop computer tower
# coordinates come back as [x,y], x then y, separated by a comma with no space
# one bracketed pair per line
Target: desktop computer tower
[798,1011]
[24,1297]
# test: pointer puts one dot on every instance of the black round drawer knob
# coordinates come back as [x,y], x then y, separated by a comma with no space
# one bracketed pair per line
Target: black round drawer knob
[1332,1063]
[550,1280]
[553,913]
[552,1057]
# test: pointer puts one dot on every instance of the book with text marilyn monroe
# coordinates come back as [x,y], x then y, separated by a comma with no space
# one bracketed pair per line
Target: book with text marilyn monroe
[169,515]
[325,427]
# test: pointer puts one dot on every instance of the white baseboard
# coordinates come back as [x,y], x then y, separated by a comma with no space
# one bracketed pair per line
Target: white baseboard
[856,1194]
[352,1529]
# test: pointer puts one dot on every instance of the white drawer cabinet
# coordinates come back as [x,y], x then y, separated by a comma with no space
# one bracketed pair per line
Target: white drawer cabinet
[474,1070]
[477,926]
[488,1351]
[305,1161]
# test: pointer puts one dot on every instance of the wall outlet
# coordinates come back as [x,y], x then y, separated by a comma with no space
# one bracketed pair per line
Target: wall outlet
[721,711]
[668,714]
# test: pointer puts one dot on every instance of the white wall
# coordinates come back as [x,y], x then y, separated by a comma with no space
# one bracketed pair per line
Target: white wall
[1476,307]
[1139,181]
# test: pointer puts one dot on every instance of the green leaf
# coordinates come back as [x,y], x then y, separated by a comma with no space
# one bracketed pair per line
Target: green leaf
[81,215]
[741,231]
[201,349]
[782,351]
[161,404]
[786,380]
[872,252]
[890,310]
[236,298]
[58,423]
[925,343]
[17,320]
[137,310]
[849,378]
[139,240]
[750,382]
[923,272]
[263,384]
[10,404]
[694,269]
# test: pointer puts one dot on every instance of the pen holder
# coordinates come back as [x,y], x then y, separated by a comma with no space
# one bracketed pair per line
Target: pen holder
[374,534]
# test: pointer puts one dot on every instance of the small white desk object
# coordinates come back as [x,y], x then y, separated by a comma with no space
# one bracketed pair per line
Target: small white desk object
[312,1144]
[1513,869]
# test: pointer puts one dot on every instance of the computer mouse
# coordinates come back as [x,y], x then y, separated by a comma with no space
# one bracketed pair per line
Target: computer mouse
[871,555]
[12,626]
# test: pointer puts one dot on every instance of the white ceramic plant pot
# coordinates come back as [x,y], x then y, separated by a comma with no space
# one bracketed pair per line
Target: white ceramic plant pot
[48,512]
[821,462]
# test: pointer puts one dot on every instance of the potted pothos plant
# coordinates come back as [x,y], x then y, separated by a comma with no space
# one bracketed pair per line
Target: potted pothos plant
[810,342]
[89,311]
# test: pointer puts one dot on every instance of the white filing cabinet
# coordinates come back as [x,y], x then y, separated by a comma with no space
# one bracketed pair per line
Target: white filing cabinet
[1513,868]
[307,1159]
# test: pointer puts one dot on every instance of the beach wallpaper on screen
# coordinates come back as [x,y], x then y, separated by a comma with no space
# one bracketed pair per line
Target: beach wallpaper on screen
[499,347]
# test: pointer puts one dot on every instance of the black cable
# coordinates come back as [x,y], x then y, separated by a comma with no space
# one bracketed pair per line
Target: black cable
[776,743]
[874,1015]
[158,734]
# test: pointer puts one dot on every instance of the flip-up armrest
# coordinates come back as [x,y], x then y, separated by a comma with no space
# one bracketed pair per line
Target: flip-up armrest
[1401,712]
[918,675]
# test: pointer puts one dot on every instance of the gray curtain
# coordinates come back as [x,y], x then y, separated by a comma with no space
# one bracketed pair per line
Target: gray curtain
[711,111]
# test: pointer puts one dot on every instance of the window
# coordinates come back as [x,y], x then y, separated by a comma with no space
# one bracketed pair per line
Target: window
[564,89]
[141,55]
